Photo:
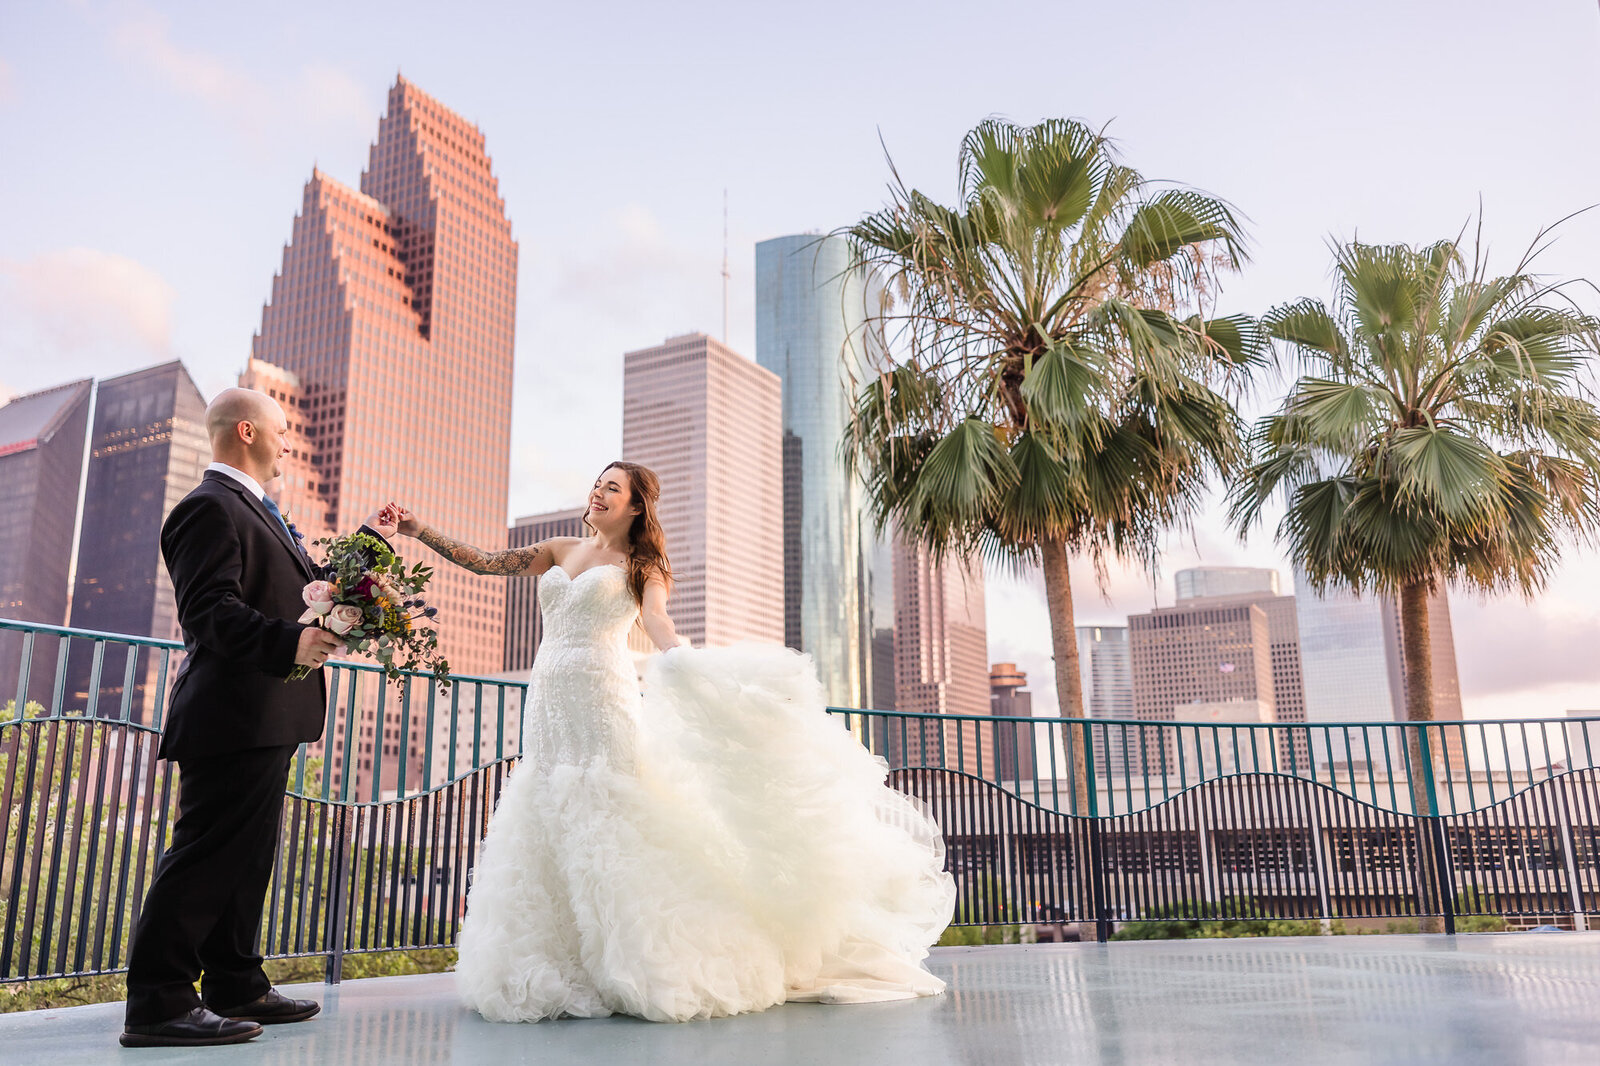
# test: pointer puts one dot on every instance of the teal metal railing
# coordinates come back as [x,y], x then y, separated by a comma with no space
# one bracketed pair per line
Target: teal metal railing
[382,816]
[1045,819]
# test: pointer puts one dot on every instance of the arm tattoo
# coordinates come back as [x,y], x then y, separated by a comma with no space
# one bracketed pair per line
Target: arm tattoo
[507,563]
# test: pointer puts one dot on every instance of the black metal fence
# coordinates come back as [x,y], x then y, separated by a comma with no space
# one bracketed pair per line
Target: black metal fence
[1108,822]
[1045,820]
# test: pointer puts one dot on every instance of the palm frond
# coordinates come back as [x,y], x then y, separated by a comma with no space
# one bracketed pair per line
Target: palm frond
[1339,416]
[959,480]
[1307,325]
[1064,385]
[1450,474]
[1177,220]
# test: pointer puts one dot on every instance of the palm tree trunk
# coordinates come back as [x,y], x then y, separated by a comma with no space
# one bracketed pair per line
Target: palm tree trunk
[1416,640]
[1069,701]
[1069,677]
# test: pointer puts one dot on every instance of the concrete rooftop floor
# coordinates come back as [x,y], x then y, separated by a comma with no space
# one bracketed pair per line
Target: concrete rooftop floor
[1484,998]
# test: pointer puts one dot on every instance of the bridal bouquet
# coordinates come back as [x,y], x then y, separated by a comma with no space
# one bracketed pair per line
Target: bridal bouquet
[373,602]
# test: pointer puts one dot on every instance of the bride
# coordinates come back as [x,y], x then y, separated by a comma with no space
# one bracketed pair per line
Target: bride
[714,846]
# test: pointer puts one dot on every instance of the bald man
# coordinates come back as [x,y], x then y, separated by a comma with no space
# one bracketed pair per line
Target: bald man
[233,724]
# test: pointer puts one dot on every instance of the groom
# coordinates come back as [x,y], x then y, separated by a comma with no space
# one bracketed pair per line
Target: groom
[233,724]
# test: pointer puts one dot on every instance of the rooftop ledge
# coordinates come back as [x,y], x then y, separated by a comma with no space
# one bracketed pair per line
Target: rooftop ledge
[1477,998]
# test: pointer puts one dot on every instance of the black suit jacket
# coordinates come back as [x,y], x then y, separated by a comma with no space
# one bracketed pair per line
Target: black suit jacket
[237,575]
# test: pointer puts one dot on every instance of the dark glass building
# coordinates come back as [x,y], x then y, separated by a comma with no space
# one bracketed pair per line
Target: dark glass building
[41,466]
[148,450]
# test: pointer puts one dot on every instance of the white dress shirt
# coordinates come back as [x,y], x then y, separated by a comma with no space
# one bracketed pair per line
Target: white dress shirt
[241,477]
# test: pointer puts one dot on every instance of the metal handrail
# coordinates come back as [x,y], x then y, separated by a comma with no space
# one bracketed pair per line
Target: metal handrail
[383,816]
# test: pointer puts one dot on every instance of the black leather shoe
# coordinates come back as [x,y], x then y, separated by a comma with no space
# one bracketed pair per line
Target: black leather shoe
[274,1008]
[198,1028]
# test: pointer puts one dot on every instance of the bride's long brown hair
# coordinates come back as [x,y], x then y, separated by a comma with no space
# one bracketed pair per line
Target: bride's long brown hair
[647,544]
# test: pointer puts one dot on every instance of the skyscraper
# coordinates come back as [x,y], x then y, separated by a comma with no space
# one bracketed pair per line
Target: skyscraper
[1238,584]
[1189,659]
[1010,698]
[41,464]
[810,310]
[523,626]
[1205,582]
[1353,659]
[390,331]
[709,423]
[880,603]
[941,656]
[1105,670]
[394,313]
[149,448]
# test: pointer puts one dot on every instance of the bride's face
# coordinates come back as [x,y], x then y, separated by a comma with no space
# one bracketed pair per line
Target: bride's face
[611,508]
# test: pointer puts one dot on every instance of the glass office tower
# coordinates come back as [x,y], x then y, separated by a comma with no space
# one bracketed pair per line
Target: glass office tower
[810,310]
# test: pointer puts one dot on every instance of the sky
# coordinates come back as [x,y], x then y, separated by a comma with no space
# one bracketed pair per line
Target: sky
[155,155]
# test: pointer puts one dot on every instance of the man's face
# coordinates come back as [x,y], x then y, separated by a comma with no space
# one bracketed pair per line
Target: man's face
[269,441]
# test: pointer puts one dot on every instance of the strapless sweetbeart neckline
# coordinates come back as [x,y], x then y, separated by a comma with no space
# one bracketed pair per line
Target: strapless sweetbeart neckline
[587,570]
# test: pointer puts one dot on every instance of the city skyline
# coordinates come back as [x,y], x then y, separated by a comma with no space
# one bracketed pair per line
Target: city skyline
[106,276]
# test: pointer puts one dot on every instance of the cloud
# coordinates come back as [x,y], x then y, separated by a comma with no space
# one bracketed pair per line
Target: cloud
[318,95]
[1539,701]
[627,286]
[144,35]
[1506,646]
[326,90]
[635,269]
[80,311]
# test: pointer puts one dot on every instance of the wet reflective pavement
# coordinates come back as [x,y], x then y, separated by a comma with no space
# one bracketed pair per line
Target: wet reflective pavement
[1483,998]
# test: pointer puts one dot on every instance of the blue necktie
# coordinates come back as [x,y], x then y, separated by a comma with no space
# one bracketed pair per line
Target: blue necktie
[266,501]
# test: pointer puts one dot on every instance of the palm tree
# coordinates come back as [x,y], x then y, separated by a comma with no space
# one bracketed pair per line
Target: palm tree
[1047,398]
[1440,434]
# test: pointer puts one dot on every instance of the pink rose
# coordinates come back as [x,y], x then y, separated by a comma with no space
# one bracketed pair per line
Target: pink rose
[318,597]
[343,618]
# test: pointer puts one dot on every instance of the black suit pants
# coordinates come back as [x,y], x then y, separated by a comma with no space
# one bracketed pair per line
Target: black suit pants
[202,914]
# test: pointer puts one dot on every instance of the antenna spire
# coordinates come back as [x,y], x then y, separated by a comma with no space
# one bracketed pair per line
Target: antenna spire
[725,274]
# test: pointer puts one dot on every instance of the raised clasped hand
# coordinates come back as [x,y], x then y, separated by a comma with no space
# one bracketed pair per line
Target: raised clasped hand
[405,520]
[383,520]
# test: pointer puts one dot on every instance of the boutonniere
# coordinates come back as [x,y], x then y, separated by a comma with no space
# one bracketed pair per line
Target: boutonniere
[293,532]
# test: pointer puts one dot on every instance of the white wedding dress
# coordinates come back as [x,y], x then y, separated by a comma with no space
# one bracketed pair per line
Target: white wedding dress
[718,845]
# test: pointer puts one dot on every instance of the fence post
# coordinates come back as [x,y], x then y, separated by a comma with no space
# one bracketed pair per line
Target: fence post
[1569,860]
[1437,837]
[339,890]
[1097,882]
[1096,850]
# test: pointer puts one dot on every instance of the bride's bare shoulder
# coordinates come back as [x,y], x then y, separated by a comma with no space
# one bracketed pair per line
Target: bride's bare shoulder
[559,549]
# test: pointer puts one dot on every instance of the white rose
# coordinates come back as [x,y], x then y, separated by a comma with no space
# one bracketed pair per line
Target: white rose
[343,618]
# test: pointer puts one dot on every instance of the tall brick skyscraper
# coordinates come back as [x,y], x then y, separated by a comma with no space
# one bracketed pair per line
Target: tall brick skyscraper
[389,333]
